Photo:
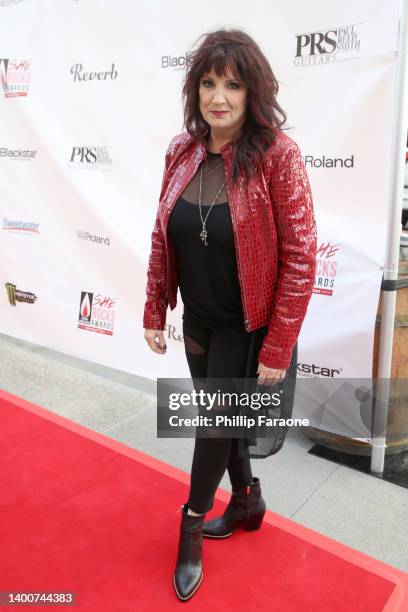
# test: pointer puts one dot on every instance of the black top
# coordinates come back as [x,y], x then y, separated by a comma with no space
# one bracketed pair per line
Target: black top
[208,277]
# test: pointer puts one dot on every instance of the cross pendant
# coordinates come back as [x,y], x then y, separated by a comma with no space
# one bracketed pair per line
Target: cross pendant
[203,236]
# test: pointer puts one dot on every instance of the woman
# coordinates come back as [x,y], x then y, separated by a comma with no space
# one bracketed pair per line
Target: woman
[235,231]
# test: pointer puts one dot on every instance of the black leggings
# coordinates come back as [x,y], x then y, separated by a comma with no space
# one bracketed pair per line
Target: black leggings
[215,353]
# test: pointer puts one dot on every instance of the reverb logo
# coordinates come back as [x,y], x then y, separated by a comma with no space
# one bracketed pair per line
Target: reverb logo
[79,74]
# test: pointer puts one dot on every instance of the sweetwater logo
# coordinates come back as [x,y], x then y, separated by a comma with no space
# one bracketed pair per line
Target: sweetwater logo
[328,162]
[15,77]
[177,62]
[326,268]
[20,227]
[18,154]
[96,313]
[79,74]
[16,295]
[90,158]
[311,370]
[334,45]
[93,238]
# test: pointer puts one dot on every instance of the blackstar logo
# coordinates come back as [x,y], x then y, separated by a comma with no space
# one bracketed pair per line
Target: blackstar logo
[18,154]
[177,62]
[311,369]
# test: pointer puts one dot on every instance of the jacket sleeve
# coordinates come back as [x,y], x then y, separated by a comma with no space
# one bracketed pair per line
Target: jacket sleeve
[154,316]
[292,203]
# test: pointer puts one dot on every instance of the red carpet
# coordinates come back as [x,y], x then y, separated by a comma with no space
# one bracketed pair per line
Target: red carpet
[83,513]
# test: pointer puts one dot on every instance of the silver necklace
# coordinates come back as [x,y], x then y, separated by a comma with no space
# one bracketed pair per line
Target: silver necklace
[203,233]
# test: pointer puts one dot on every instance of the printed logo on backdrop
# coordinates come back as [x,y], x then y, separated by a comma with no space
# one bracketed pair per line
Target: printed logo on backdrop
[18,154]
[96,313]
[328,162]
[10,2]
[326,268]
[20,227]
[79,74]
[325,46]
[15,77]
[178,62]
[17,295]
[90,158]
[311,370]
[170,333]
[83,235]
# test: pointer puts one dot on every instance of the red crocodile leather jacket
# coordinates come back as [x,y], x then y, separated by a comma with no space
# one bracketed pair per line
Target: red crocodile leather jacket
[275,240]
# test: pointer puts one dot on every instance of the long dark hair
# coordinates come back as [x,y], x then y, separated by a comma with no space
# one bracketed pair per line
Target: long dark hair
[236,50]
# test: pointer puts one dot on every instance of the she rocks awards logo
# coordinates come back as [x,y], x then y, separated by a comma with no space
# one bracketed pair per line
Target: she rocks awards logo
[15,77]
[96,313]
[326,267]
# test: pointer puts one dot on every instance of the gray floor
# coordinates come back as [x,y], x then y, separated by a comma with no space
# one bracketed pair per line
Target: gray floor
[357,509]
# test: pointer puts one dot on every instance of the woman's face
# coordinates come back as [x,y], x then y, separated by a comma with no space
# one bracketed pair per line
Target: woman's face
[227,94]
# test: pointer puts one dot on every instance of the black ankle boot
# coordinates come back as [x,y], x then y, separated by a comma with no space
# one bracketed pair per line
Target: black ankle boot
[245,509]
[189,567]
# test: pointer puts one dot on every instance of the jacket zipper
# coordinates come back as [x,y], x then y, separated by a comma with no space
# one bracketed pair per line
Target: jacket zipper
[239,258]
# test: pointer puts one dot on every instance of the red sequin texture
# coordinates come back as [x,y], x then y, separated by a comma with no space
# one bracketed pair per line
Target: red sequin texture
[275,241]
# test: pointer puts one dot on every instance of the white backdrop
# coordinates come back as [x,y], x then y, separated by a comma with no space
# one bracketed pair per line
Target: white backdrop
[81,163]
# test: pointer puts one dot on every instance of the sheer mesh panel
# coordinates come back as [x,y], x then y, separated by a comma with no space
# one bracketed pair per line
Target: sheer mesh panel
[213,178]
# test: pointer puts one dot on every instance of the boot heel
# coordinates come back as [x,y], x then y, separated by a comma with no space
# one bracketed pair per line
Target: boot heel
[254,522]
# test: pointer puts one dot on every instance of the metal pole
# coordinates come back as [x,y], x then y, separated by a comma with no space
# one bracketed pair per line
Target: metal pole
[393,243]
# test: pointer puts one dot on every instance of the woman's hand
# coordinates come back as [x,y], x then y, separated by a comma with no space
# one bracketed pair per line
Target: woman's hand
[159,346]
[269,376]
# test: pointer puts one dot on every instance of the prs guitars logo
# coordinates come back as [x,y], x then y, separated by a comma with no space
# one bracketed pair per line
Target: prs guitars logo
[327,46]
